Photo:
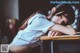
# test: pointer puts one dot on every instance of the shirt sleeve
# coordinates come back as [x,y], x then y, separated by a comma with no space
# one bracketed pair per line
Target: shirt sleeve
[42,24]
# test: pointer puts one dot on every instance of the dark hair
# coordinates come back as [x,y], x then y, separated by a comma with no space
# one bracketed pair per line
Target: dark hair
[67,10]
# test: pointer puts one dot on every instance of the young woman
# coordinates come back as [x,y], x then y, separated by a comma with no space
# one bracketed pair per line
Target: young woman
[63,12]
[36,26]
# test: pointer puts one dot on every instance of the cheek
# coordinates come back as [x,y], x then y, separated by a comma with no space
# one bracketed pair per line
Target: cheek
[56,19]
[60,21]
[53,19]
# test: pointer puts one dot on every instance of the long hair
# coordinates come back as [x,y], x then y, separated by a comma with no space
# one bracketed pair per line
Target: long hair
[67,10]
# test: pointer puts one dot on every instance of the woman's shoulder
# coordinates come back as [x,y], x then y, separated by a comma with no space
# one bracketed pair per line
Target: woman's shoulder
[38,16]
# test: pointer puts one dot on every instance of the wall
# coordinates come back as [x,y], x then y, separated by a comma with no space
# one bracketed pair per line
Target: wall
[11,9]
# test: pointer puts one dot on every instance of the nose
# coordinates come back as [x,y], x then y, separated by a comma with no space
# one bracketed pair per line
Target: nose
[60,21]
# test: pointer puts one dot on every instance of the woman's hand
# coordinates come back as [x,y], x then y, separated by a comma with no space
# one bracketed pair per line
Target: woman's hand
[52,33]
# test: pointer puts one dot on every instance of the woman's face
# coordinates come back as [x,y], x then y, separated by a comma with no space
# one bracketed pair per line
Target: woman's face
[59,19]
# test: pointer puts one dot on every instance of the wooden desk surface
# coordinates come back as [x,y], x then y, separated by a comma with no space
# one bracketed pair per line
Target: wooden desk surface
[63,37]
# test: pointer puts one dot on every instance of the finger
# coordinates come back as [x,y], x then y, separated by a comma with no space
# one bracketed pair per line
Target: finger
[65,20]
[53,9]
[52,34]
[65,14]
[56,34]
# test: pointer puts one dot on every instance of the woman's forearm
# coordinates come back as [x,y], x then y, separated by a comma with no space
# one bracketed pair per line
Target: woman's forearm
[63,29]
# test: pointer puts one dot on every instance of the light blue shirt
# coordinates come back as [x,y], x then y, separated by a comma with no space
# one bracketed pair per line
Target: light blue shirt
[37,26]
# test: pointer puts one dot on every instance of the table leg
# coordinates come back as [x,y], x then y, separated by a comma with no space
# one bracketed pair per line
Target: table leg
[52,47]
[41,46]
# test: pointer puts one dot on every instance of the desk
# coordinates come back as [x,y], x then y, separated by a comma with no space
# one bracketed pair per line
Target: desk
[62,37]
